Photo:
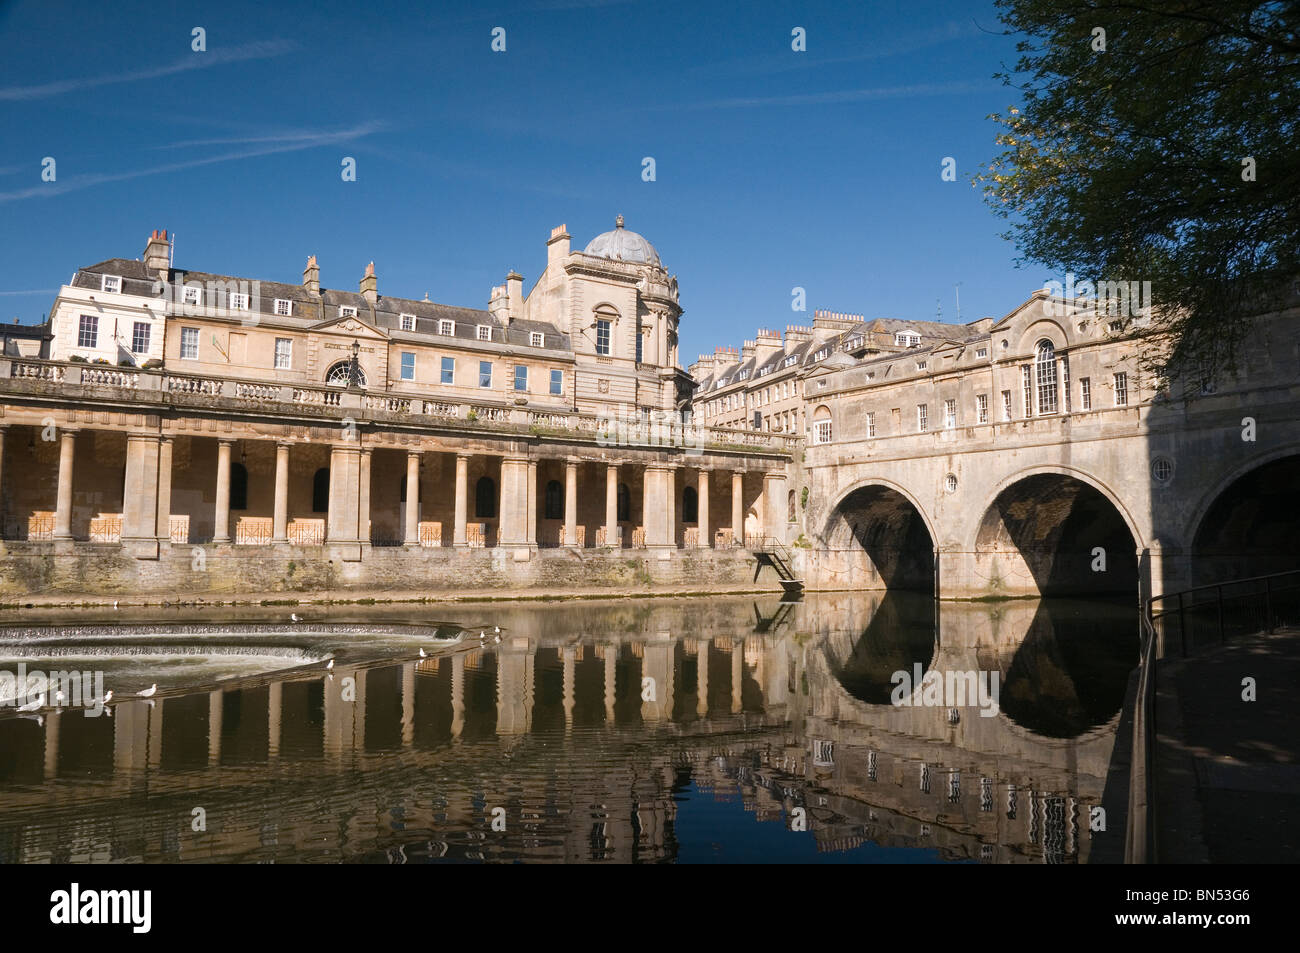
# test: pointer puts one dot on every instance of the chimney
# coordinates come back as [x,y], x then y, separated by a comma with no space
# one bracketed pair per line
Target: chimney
[796,334]
[370,285]
[766,343]
[557,249]
[747,350]
[499,305]
[311,277]
[157,254]
[515,294]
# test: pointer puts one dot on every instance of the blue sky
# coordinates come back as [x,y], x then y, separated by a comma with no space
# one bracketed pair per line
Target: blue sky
[774,169]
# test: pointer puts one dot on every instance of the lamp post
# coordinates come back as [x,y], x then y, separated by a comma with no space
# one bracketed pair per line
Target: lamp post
[354,368]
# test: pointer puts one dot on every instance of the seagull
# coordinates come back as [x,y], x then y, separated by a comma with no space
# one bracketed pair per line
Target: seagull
[422,654]
[497,639]
[497,629]
[294,617]
[329,666]
[59,697]
[108,696]
[33,705]
[114,603]
[482,636]
[148,692]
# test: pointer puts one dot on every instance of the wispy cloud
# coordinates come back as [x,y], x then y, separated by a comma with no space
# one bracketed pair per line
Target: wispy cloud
[74,183]
[837,96]
[260,50]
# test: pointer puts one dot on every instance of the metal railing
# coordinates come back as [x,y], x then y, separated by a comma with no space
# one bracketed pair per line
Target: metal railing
[1204,616]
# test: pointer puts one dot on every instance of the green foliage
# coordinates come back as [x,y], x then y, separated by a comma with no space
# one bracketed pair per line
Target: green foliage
[1127,164]
[803,498]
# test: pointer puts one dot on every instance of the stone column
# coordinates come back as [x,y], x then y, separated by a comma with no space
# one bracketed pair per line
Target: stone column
[661,328]
[63,506]
[513,516]
[775,504]
[165,489]
[345,520]
[363,496]
[462,500]
[654,507]
[670,497]
[531,519]
[412,537]
[221,523]
[140,496]
[280,528]
[738,506]
[570,503]
[702,499]
[611,505]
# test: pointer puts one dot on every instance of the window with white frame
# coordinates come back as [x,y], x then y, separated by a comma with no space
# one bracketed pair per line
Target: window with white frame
[446,326]
[871,423]
[347,311]
[982,408]
[1027,386]
[1045,377]
[949,414]
[1006,405]
[283,307]
[110,283]
[521,377]
[448,370]
[192,294]
[407,321]
[557,382]
[484,332]
[408,366]
[907,339]
[283,353]
[484,373]
[602,336]
[140,337]
[1085,393]
[922,417]
[1065,381]
[236,301]
[822,431]
[981,352]
[1121,389]
[189,344]
[88,331]
[536,338]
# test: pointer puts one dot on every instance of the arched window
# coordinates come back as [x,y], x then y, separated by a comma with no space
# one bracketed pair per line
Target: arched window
[791,514]
[485,498]
[822,425]
[238,486]
[337,375]
[554,500]
[1045,377]
[624,503]
[320,491]
[690,505]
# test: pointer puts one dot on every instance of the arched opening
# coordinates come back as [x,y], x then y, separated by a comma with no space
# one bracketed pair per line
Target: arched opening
[900,635]
[791,514]
[339,373]
[1045,377]
[238,486]
[690,505]
[485,498]
[320,491]
[1252,526]
[1054,535]
[881,524]
[821,428]
[554,500]
[624,503]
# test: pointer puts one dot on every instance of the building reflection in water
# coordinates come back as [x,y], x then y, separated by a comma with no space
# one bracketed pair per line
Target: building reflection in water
[636,731]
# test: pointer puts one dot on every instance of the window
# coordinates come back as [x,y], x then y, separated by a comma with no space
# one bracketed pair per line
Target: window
[822,425]
[320,491]
[949,414]
[408,365]
[557,382]
[88,332]
[1045,377]
[871,423]
[537,339]
[446,326]
[283,307]
[922,365]
[981,352]
[283,353]
[1085,393]
[602,337]
[1027,385]
[192,294]
[238,486]
[189,344]
[554,500]
[1121,389]
[690,505]
[347,311]
[907,339]
[1006,405]
[640,347]
[448,370]
[236,301]
[982,408]
[624,503]
[1065,381]
[484,373]
[140,337]
[521,377]
[484,333]
[407,321]
[922,417]
[110,283]
[485,498]
[339,372]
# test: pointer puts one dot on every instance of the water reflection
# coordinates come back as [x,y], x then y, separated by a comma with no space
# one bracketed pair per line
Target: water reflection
[692,730]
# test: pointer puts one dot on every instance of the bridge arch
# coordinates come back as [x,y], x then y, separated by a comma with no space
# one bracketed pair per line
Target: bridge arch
[882,526]
[1056,530]
[1248,522]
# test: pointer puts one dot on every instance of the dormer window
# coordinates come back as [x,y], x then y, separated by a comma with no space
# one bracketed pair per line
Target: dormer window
[110,283]
[236,301]
[407,322]
[347,311]
[536,339]
[907,339]
[283,307]
[446,326]
[193,294]
[484,332]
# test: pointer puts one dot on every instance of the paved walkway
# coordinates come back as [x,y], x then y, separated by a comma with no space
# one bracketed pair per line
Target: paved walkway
[1228,770]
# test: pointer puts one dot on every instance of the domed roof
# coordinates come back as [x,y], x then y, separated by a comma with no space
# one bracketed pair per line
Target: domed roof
[623,245]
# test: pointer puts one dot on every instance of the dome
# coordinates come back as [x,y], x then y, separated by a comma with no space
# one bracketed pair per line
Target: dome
[623,245]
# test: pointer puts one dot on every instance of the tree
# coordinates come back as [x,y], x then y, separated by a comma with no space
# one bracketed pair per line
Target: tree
[1158,141]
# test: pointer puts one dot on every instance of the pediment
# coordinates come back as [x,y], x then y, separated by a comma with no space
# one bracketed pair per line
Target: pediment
[351,327]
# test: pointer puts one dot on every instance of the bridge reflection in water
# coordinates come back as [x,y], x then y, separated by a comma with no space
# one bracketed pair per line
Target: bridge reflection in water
[636,731]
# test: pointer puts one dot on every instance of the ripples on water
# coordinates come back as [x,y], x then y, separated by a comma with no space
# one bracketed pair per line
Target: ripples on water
[638,731]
